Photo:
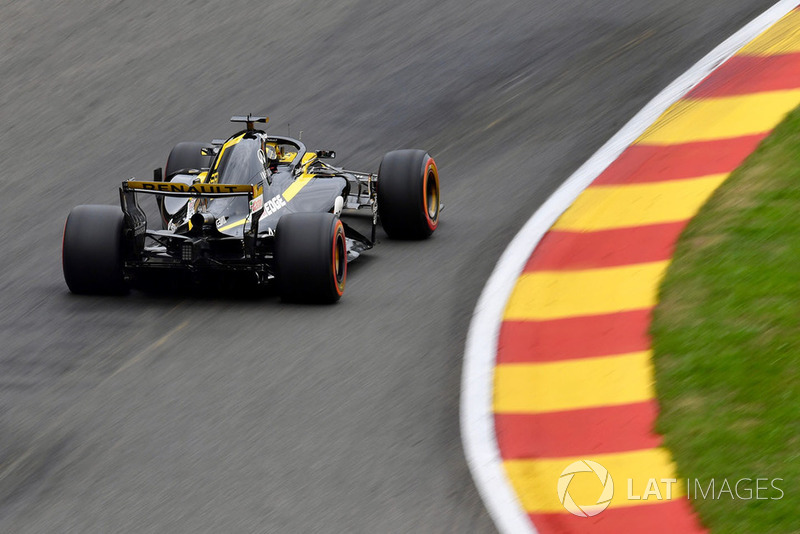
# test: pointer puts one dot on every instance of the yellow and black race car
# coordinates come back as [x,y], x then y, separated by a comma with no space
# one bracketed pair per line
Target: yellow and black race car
[255,207]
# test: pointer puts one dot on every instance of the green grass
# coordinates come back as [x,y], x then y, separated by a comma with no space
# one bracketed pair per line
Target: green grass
[726,336]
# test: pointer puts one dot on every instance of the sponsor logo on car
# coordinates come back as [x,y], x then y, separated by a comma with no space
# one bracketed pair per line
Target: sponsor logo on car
[257,203]
[200,189]
[274,204]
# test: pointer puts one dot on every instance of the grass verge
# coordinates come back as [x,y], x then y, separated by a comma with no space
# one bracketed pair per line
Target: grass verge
[726,337]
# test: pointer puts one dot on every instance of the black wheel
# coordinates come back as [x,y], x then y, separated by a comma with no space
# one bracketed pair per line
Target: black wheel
[92,250]
[310,257]
[187,155]
[408,194]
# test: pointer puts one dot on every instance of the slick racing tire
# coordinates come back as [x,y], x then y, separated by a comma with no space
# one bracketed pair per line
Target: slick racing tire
[92,250]
[310,257]
[187,155]
[408,194]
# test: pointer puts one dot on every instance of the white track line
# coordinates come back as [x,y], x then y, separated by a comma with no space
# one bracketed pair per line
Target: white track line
[477,421]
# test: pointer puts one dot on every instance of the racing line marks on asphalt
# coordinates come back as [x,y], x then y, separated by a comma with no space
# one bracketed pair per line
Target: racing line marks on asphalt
[147,350]
[572,376]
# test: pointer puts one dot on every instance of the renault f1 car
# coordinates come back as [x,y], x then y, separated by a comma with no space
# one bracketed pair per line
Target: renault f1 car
[253,207]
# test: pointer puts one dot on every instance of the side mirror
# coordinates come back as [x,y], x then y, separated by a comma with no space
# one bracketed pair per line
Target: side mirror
[208,151]
[329,154]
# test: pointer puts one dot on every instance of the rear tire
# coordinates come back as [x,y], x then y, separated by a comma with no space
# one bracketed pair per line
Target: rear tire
[186,155]
[92,250]
[310,257]
[408,194]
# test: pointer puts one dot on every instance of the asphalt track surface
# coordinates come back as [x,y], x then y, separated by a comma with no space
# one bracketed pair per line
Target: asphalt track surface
[194,413]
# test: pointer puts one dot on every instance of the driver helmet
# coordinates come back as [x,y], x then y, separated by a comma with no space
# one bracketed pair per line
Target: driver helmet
[272,154]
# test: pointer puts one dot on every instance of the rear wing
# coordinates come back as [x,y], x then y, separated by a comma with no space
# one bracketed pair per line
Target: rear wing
[136,220]
[178,189]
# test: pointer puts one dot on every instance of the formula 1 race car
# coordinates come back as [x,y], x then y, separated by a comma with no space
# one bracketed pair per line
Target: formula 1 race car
[256,207]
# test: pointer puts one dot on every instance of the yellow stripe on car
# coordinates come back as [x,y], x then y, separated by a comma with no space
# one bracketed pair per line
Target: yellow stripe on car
[288,194]
[298,184]
[222,150]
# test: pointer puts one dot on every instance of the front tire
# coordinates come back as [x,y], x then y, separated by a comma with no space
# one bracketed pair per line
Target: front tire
[92,250]
[310,257]
[408,194]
